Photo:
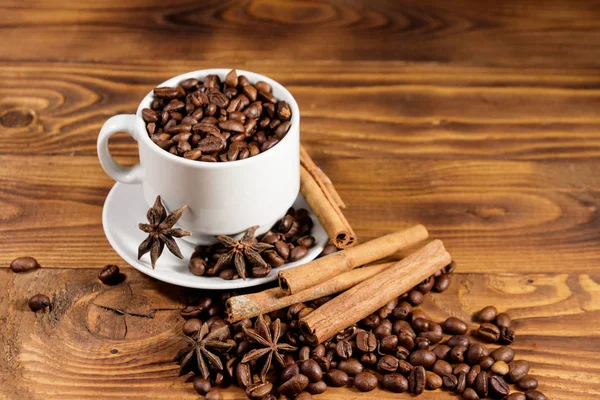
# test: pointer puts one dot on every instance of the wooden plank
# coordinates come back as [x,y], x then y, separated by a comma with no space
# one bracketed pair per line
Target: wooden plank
[385,109]
[512,32]
[119,341]
[534,216]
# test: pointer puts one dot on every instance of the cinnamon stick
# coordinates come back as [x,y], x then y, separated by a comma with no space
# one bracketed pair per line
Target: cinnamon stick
[297,279]
[251,305]
[329,214]
[373,293]
[321,178]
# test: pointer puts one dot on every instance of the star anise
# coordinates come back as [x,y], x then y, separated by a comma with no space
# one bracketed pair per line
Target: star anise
[246,249]
[200,350]
[268,340]
[160,232]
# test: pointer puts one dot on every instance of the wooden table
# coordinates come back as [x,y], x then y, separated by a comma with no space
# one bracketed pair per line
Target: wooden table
[479,119]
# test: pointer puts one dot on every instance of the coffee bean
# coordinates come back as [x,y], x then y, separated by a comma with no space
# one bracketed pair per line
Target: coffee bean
[488,314]
[166,92]
[368,359]
[415,298]
[388,363]
[432,381]
[337,378]
[458,353]
[517,370]
[24,264]
[191,326]
[503,319]
[461,382]
[350,366]
[328,249]
[500,368]
[306,241]
[534,395]
[110,274]
[298,253]
[404,367]
[516,396]
[316,387]
[201,385]
[462,367]
[498,388]
[243,375]
[528,382]
[395,383]
[507,335]
[402,310]
[302,396]
[475,353]
[271,257]
[366,341]
[459,340]
[365,381]
[304,353]
[472,375]
[197,266]
[344,349]
[213,394]
[442,368]
[442,352]
[259,390]
[489,332]
[289,371]
[382,330]
[486,363]
[442,283]
[388,343]
[39,302]
[449,382]
[481,384]
[294,385]
[470,394]
[417,379]
[503,353]
[425,358]
[455,326]
[312,370]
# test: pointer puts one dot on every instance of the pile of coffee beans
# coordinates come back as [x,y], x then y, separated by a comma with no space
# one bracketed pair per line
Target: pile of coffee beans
[290,237]
[217,120]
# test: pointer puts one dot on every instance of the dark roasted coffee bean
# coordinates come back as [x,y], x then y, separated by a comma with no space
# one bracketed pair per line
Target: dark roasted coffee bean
[337,378]
[284,112]
[503,319]
[458,353]
[316,387]
[282,130]
[350,366]
[312,370]
[388,343]
[259,390]
[382,330]
[442,368]
[449,382]
[489,332]
[271,257]
[406,340]
[197,266]
[228,274]
[370,321]
[442,352]
[534,395]
[39,302]
[486,363]
[304,353]
[415,297]
[404,367]
[394,383]
[201,385]
[285,224]
[283,249]
[270,142]
[306,241]
[422,357]
[191,326]
[24,264]
[149,115]
[417,379]
[365,381]
[110,275]
[442,283]
[462,367]
[422,343]
[470,394]
[455,326]
[475,353]
[343,350]
[459,340]
[507,335]
[289,371]
[461,382]
[250,92]
[481,384]
[433,381]
[516,396]
[294,385]
[368,359]
[528,382]
[517,370]
[298,253]
[166,92]
[503,353]
[426,286]
[401,311]
[174,105]
[421,325]
[487,314]
[402,353]
[232,126]
[434,336]
[300,396]
[472,375]
[498,388]
[327,250]
[366,341]
[213,394]
[388,363]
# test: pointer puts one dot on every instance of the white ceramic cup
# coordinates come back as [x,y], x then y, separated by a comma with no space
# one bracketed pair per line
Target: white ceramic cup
[222,197]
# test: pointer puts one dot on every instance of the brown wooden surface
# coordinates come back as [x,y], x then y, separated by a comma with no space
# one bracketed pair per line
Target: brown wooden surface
[478,119]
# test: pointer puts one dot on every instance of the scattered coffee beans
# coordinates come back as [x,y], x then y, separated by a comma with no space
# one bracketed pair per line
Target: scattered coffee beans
[534,395]
[488,314]
[527,383]
[24,264]
[39,302]
[110,275]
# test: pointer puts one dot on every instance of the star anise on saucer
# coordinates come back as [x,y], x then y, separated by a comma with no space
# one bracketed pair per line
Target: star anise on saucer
[267,338]
[247,249]
[161,232]
[201,348]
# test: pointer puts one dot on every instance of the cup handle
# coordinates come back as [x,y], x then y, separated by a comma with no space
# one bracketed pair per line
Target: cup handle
[120,173]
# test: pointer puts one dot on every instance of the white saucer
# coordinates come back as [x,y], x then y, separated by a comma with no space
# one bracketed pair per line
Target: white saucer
[125,208]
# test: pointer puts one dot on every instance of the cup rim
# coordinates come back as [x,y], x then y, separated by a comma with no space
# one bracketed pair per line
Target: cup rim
[253,77]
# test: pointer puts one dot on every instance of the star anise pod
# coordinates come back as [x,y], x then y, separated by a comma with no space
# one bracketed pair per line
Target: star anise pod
[160,232]
[200,350]
[246,249]
[268,340]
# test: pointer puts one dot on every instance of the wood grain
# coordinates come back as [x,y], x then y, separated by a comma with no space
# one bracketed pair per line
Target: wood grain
[383,110]
[512,32]
[119,341]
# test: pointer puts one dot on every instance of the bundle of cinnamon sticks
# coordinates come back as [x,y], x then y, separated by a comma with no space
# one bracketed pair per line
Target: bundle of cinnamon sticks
[365,289]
